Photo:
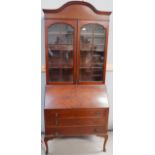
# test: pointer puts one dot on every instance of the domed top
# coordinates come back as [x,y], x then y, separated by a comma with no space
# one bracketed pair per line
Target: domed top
[81,3]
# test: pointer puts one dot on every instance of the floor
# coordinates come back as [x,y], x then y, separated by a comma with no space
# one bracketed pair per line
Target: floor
[91,145]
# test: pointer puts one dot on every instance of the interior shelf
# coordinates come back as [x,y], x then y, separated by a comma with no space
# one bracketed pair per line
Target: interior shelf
[93,64]
[61,67]
[90,67]
[58,33]
[93,34]
[59,44]
[87,50]
[62,47]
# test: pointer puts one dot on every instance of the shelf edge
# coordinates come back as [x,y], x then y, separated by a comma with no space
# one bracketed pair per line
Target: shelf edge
[109,68]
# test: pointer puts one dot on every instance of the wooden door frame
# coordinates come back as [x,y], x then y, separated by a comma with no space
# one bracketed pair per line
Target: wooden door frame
[81,23]
[73,24]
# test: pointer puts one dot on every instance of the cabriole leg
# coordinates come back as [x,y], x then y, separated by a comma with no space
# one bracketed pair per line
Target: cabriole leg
[46,144]
[105,141]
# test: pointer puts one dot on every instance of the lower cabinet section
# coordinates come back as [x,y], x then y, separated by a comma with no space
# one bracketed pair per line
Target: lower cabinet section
[67,114]
[76,131]
[76,122]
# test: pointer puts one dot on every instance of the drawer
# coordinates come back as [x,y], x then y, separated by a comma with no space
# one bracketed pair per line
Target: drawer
[74,113]
[75,122]
[75,131]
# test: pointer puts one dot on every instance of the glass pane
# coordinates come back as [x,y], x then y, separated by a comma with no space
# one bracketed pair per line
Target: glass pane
[92,44]
[60,53]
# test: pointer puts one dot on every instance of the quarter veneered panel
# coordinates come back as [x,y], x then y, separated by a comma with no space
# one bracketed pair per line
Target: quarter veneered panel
[76,97]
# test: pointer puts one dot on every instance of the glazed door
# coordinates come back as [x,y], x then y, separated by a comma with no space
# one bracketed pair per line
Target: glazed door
[92,49]
[60,40]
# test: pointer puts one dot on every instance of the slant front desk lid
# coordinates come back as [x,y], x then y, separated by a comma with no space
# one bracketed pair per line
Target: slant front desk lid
[75,96]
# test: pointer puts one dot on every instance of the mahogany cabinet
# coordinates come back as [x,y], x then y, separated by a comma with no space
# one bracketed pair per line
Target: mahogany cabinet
[76,39]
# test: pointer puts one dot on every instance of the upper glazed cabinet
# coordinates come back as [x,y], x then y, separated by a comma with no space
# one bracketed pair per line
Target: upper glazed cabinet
[76,45]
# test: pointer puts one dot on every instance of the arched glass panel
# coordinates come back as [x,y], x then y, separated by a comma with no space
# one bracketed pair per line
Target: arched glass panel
[92,43]
[60,52]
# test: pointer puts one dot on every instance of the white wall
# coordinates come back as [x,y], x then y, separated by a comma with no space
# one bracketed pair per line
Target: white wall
[105,5]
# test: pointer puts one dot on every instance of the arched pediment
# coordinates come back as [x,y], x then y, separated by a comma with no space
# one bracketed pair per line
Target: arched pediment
[77,10]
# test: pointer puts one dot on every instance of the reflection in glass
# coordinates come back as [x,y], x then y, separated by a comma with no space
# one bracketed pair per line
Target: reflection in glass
[92,43]
[60,53]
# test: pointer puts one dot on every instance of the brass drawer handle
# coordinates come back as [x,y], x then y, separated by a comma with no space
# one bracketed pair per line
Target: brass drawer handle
[95,122]
[56,114]
[98,113]
[56,122]
[56,133]
[95,130]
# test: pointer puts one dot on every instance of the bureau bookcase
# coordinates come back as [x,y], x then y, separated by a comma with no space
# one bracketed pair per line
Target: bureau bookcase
[76,40]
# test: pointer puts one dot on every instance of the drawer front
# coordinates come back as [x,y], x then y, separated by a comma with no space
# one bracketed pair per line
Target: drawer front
[74,113]
[75,122]
[73,131]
